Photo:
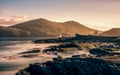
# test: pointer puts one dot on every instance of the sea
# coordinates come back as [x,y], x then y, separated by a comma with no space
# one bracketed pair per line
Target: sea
[11,46]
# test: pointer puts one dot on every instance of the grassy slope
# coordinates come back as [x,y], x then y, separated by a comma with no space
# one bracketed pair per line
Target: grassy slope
[43,27]
[112,32]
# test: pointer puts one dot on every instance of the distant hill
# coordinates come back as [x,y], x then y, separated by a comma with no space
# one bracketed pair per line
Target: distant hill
[42,27]
[14,32]
[111,32]
[1,27]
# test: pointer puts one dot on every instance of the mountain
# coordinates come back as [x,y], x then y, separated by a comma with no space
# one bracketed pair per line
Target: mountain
[1,27]
[42,27]
[111,32]
[14,32]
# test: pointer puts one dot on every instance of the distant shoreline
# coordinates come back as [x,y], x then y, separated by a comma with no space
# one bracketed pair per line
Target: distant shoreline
[23,38]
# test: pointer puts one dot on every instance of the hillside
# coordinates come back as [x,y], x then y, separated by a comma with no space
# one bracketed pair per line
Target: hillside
[13,32]
[1,27]
[111,32]
[42,27]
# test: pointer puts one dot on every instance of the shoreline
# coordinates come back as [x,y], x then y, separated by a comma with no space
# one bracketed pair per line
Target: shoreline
[9,63]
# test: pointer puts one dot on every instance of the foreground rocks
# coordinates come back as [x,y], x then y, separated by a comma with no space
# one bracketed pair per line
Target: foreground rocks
[103,57]
[72,66]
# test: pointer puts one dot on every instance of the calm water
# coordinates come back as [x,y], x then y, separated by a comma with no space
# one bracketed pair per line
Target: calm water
[22,38]
[11,46]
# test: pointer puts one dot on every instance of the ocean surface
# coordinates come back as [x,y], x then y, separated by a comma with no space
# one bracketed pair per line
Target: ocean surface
[11,46]
[10,59]
[23,38]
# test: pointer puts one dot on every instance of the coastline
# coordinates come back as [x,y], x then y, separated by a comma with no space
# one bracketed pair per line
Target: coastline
[11,63]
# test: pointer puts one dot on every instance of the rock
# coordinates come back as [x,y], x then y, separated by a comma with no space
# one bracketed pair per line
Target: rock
[80,38]
[73,66]
[30,55]
[32,51]
[100,52]
[22,72]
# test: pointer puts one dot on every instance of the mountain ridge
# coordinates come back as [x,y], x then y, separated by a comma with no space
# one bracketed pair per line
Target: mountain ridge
[46,28]
[111,32]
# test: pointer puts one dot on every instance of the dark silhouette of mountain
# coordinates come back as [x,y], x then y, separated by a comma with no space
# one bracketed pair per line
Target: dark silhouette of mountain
[42,27]
[111,32]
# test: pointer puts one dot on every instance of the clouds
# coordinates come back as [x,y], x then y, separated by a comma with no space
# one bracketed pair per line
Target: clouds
[4,11]
[93,12]
[7,21]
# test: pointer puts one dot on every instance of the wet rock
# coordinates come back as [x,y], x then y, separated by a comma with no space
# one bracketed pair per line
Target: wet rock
[22,72]
[100,52]
[30,55]
[32,51]
[73,66]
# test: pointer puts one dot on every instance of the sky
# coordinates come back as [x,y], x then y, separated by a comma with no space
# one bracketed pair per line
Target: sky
[98,14]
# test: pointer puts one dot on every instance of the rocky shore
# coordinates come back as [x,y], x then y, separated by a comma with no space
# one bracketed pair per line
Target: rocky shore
[80,38]
[95,55]
[72,66]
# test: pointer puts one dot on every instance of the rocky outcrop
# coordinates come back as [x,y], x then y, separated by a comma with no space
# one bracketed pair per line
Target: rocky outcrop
[80,38]
[62,48]
[30,52]
[72,66]
[100,52]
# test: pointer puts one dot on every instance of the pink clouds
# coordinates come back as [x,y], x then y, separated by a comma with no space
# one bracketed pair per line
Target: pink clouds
[24,16]
[20,18]
[7,21]
[3,11]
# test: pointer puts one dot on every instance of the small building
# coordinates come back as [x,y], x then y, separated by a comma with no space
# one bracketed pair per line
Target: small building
[95,33]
